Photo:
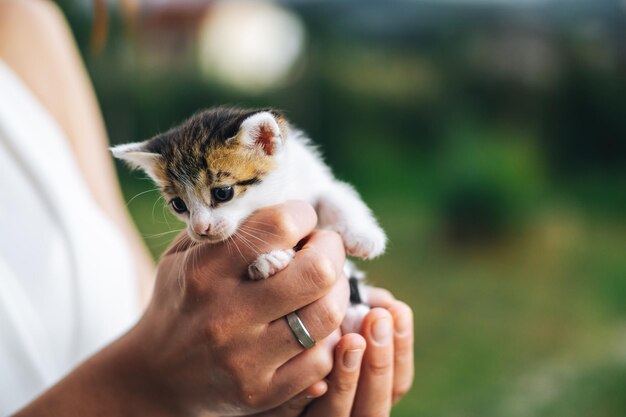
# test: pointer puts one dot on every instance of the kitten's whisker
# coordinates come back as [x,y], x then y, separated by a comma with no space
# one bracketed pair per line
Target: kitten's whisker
[161,234]
[255,229]
[164,213]
[228,246]
[256,237]
[237,246]
[248,233]
[260,222]
[243,240]
[140,194]
[154,205]
[249,244]
[194,260]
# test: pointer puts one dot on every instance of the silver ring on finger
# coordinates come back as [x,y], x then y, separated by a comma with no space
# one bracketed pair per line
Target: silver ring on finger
[299,331]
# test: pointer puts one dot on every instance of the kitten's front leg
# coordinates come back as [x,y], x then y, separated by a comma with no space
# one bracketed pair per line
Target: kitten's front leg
[270,264]
[342,210]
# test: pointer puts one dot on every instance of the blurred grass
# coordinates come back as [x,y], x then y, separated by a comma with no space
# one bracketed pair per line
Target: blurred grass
[503,198]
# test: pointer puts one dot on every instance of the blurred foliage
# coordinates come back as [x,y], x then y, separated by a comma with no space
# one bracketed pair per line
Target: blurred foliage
[490,140]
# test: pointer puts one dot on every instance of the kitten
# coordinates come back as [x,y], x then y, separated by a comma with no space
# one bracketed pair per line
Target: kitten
[223,164]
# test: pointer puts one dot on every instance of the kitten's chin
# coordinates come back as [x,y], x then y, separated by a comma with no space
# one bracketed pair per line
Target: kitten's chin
[206,239]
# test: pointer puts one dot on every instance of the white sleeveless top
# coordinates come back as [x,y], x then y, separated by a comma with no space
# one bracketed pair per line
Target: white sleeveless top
[67,281]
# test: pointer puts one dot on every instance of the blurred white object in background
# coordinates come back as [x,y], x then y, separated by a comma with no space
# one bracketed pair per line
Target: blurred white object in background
[250,45]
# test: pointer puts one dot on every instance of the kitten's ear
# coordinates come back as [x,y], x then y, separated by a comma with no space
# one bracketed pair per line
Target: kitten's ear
[261,131]
[136,156]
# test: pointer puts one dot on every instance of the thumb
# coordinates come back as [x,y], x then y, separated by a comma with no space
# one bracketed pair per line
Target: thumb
[343,380]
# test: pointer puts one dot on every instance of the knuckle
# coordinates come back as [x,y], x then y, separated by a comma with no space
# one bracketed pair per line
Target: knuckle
[231,367]
[332,240]
[403,351]
[284,225]
[343,386]
[323,364]
[331,316]
[400,308]
[332,237]
[403,321]
[379,368]
[215,334]
[322,272]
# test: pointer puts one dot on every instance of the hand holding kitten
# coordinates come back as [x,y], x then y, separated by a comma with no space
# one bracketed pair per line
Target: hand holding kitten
[222,164]
[219,344]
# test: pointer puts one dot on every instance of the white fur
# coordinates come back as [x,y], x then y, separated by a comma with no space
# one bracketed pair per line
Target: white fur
[339,207]
[269,264]
[136,157]
[300,175]
[251,126]
[353,320]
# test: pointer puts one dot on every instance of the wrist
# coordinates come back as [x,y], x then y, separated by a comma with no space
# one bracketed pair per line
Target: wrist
[129,376]
[113,382]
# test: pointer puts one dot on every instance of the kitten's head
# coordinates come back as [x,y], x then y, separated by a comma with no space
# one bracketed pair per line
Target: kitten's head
[215,168]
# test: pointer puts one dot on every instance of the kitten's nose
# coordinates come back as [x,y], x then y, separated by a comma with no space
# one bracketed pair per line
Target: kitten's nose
[202,229]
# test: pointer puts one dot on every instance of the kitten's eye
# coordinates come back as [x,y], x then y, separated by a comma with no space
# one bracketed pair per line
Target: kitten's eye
[178,205]
[222,194]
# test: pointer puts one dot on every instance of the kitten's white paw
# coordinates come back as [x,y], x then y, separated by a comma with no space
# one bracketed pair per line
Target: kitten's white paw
[365,244]
[353,321]
[270,263]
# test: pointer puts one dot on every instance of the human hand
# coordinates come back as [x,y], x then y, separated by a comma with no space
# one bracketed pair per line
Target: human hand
[212,341]
[363,385]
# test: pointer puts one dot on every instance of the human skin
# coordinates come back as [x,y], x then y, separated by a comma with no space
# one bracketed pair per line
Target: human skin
[212,342]
[365,386]
[37,44]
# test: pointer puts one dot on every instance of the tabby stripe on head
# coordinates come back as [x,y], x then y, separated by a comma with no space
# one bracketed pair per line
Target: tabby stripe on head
[251,181]
[221,174]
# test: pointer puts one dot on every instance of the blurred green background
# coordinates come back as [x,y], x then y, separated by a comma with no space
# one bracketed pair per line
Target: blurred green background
[489,137]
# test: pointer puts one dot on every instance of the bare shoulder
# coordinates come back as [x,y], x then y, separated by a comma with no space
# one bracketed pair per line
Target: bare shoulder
[19,15]
[28,9]
[28,28]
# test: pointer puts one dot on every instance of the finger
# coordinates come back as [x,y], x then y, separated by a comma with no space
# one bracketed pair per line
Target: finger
[276,227]
[379,297]
[403,371]
[279,227]
[320,318]
[309,276]
[342,382]
[295,407]
[307,368]
[373,397]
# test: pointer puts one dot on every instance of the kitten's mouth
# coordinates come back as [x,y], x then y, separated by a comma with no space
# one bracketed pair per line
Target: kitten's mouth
[206,239]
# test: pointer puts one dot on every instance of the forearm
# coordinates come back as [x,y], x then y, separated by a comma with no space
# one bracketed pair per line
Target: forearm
[36,42]
[111,383]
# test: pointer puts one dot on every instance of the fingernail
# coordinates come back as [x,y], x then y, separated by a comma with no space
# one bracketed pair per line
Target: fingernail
[403,325]
[381,331]
[352,358]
